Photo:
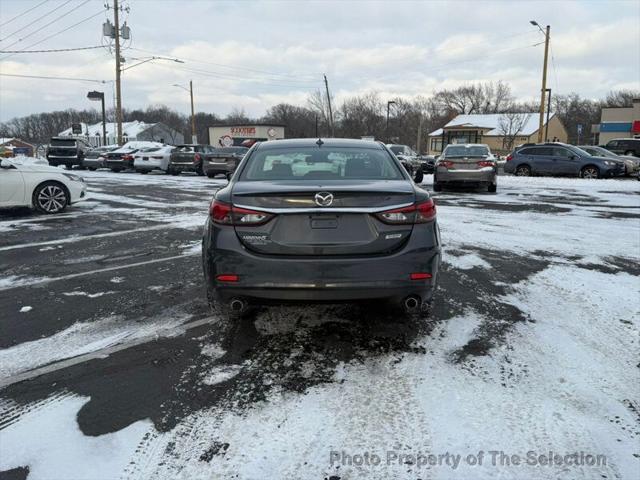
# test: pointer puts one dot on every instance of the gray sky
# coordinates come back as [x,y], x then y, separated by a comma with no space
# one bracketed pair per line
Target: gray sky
[252,55]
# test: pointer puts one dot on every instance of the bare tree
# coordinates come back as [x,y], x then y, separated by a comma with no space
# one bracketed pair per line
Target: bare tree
[509,126]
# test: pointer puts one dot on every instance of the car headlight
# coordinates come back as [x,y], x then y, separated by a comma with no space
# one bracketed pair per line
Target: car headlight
[73,178]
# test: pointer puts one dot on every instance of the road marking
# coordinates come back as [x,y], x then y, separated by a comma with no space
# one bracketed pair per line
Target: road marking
[77,239]
[103,352]
[38,281]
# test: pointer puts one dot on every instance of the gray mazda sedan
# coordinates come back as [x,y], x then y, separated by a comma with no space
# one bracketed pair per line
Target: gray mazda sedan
[466,164]
[320,220]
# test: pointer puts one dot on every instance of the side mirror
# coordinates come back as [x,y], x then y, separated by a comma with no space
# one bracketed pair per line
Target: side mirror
[6,163]
[572,157]
[419,176]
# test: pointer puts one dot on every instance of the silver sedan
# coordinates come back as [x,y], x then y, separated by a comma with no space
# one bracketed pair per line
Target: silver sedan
[466,164]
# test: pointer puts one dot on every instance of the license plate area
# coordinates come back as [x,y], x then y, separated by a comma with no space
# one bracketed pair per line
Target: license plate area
[324,221]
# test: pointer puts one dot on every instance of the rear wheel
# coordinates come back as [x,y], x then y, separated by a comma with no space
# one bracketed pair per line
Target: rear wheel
[211,175]
[437,187]
[200,171]
[68,167]
[523,171]
[590,171]
[143,172]
[492,188]
[50,197]
[92,169]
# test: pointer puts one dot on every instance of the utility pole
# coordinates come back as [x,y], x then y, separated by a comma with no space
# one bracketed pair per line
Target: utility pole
[543,91]
[116,21]
[194,137]
[326,84]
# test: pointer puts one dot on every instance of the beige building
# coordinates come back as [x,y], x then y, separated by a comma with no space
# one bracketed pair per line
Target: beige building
[501,131]
[623,122]
[244,135]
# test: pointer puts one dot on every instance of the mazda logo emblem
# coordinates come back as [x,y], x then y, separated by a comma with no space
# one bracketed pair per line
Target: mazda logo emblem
[324,199]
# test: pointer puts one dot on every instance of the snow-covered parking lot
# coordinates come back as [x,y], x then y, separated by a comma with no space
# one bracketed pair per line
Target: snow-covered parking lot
[112,366]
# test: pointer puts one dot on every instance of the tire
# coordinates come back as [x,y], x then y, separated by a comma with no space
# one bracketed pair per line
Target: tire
[143,172]
[92,169]
[50,197]
[523,171]
[630,152]
[492,188]
[200,171]
[437,187]
[116,170]
[211,175]
[590,171]
[68,167]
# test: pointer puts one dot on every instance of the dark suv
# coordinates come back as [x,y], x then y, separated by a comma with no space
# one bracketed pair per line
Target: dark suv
[624,146]
[67,151]
[560,159]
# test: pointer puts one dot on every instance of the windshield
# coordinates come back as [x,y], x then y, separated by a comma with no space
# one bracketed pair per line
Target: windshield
[397,149]
[326,163]
[600,152]
[466,151]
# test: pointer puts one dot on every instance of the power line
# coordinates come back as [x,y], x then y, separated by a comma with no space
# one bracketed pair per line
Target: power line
[55,78]
[233,67]
[57,33]
[23,13]
[55,50]
[206,73]
[47,24]
[36,20]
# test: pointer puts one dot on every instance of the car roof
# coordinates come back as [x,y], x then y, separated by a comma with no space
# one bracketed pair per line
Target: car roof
[468,145]
[313,142]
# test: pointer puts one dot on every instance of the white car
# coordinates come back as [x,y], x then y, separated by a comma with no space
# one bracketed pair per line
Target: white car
[47,189]
[153,158]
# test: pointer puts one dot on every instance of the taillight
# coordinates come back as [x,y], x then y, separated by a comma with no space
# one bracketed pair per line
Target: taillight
[509,158]
[484,163]
[420,276]
[227,214]
[444,163]
[417,213]
[197,158]
[157,158]
[227,277]
[127,157]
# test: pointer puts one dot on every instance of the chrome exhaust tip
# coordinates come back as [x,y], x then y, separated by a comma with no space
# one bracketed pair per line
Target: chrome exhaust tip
[412,303]
[238,305]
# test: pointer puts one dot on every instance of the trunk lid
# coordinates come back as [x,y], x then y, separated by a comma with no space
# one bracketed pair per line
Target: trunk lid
[301,226]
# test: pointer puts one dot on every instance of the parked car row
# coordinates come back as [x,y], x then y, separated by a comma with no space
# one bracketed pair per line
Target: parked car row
[146,156]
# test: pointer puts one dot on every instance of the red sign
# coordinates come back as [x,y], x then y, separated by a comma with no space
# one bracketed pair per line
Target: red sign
[243,131]
[635,128]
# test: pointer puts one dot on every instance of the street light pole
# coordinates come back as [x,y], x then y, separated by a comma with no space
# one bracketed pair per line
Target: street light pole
[546,128]
[94,95]
[386,128]
[194,137]
[543,91]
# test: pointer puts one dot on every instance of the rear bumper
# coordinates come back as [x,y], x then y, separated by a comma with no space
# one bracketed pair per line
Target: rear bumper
[147,165]
[217,167]
[121,164]
[483,175]
[55,160]
[184,167]
[318,279]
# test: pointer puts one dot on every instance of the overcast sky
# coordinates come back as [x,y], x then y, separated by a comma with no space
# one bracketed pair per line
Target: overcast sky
[251,54]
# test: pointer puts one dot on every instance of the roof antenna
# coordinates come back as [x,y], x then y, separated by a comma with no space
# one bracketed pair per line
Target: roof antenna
[319,142]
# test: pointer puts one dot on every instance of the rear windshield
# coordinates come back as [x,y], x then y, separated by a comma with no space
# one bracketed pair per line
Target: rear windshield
[63,142]
[463,151]
[321,164]
[396,149]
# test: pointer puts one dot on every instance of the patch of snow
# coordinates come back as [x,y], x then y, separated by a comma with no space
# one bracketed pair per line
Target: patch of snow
[26,309]
[49,442]
[84,337]
[13,281]
[78,293]
[117,280]
[221,373]
[465,262]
